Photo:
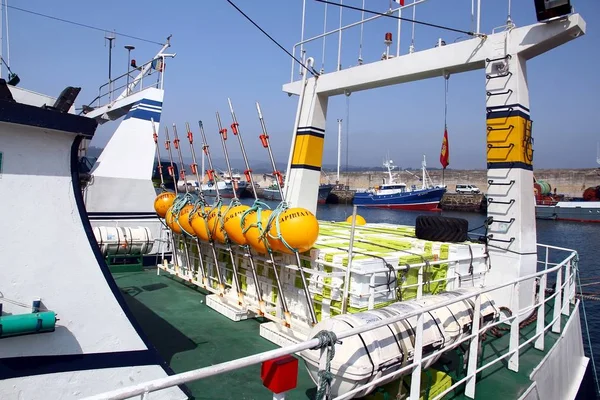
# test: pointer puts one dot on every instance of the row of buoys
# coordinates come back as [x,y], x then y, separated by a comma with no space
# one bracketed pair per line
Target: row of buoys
[294,229]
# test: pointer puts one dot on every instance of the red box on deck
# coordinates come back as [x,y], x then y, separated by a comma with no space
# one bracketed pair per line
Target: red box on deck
[280,374]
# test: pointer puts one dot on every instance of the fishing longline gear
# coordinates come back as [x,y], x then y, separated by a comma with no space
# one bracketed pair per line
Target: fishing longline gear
[234,225]
[197,202]
[222,215]
[165,199]
[179,202]
[203,222]
[254,224]
[289,230]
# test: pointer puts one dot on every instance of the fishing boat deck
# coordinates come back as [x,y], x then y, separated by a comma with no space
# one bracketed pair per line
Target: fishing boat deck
[190,335]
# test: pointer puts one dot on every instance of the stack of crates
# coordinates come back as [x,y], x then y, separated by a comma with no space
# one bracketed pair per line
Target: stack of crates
[377,250]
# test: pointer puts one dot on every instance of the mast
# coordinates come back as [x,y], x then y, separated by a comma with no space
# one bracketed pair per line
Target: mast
[339,149]
[424,170]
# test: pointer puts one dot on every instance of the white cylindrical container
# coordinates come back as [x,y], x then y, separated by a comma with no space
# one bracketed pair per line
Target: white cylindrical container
[115,241]
[360,359]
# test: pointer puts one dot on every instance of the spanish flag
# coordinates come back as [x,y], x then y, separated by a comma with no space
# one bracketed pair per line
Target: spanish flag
[445,153]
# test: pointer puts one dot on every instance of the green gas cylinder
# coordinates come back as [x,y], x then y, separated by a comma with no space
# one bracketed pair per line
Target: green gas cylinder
[22,324]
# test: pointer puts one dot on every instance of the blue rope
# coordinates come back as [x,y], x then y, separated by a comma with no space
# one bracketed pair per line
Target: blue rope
[587,328]
[326,339]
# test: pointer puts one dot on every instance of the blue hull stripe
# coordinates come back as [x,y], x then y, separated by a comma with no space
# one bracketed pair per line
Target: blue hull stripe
[419,197]
[144,114]
[146,110]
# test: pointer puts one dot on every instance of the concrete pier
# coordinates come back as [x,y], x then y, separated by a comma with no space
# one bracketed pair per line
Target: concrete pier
[464,202]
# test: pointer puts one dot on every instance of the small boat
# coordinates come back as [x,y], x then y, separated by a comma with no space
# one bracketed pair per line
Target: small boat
[397,195]
[225,183]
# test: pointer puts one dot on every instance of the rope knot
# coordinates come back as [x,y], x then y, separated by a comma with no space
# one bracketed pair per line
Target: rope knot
[327,340]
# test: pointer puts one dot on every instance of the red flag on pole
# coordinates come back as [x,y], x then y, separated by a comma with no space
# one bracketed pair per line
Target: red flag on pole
[401,2]
[445,153]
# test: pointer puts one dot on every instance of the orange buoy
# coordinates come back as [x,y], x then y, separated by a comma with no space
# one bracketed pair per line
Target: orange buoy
[298,227]
[254,233]
[162,203]
[215,224]
[184,219]
[199,226]
[233,226]
[359,220]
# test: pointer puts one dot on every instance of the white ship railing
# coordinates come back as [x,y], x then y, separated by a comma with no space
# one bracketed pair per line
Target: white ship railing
[129,84]
[562,297]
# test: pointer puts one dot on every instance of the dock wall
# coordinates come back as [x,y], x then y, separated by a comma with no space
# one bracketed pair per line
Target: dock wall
[570,182]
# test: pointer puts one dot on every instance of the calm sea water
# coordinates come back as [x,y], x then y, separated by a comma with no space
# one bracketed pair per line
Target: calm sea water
[582,237]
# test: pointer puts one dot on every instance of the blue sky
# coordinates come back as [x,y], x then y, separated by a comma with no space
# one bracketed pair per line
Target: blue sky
[220,55]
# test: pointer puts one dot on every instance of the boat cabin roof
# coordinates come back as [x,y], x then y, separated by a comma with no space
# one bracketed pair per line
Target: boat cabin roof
[392,186]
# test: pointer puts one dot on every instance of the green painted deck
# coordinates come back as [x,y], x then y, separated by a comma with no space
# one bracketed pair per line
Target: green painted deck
[190,335]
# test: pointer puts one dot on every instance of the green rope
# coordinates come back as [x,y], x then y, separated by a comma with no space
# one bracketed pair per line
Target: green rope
[326,339]
[282,207]
[178,204]
[256,207]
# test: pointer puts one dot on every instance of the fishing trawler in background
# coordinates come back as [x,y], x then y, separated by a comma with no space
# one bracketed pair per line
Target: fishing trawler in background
[272,192]
[561,208]
[396,195]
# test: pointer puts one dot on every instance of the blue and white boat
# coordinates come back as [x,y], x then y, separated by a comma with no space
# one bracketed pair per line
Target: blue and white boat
[397,195]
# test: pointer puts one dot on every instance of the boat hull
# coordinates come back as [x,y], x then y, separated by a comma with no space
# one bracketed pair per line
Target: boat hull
[577,211]
[420,200]
[324,191]
[226,190]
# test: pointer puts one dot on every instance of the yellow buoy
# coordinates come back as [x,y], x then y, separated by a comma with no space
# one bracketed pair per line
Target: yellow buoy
[184,219]
[215,225]
[199,226]
[233,226]
[298,227]
[162,203]
[359,220]
[253,234]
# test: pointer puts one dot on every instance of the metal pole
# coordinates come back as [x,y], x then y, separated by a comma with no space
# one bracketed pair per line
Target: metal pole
[349,266]
[182,174]
[309,303]
[339,149]
[478,16]
[248,173]
[340,40]
[399,32]
[194,168]
[236,280]
[162,186]
[110,46]
[129,48]
[302,72]
[206,151]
